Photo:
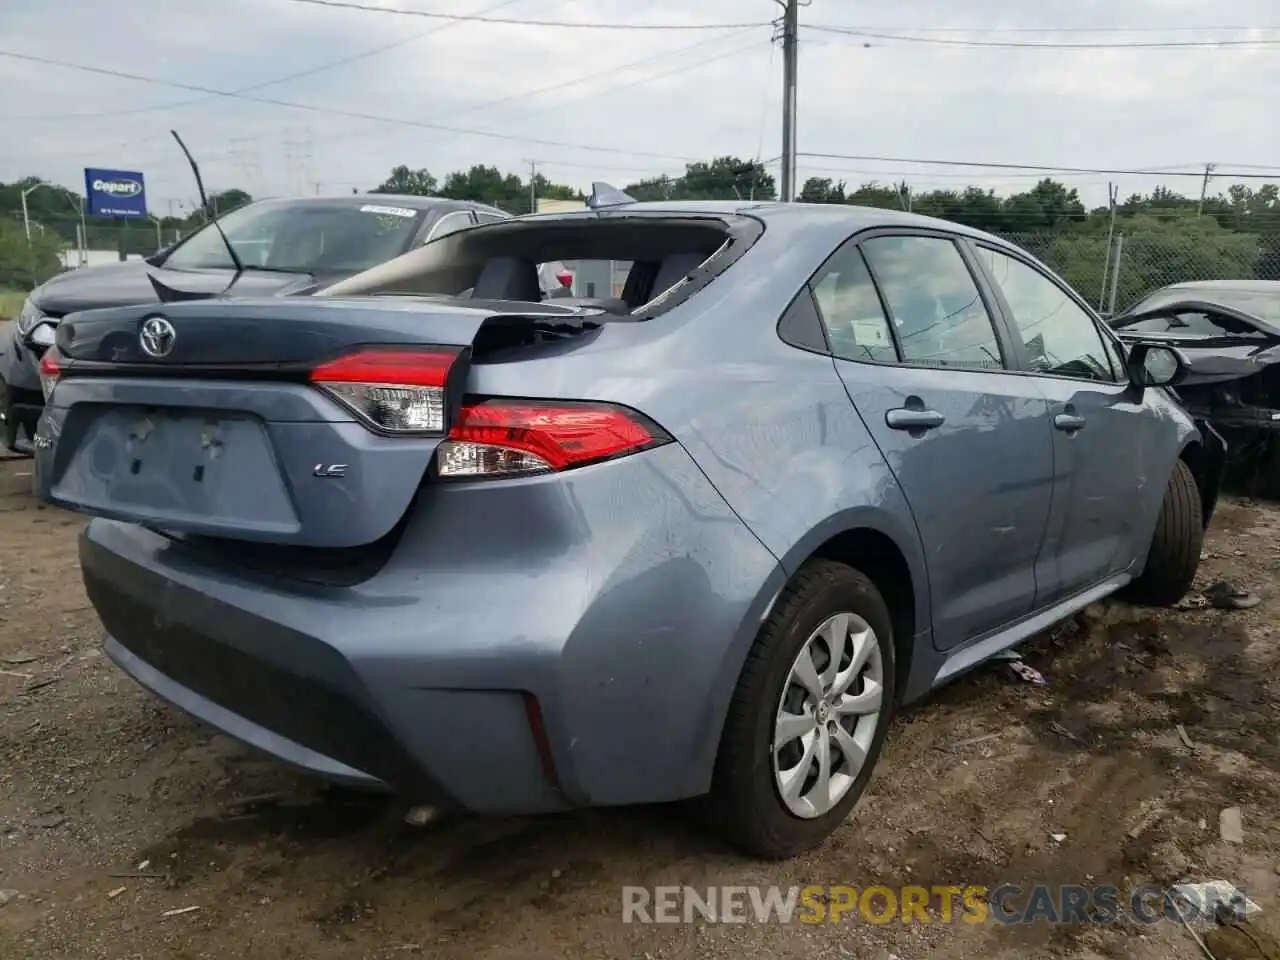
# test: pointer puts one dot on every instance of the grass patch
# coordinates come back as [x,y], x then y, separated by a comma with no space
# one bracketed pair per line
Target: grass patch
[11,304]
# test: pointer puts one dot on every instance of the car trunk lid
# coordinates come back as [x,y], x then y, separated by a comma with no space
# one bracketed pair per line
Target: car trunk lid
[301,424]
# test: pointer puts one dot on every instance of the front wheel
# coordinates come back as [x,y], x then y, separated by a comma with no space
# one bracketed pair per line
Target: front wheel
[809,716]
[9,425]
[1174,556]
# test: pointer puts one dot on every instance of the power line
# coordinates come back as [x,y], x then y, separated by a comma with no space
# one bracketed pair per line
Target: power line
[584,78]
[619,68]
[300,74]
[513,21]
[1025,30]
[309,72]
[333,111]
[1044,45]
[995,165]
[597,91]
[960,179]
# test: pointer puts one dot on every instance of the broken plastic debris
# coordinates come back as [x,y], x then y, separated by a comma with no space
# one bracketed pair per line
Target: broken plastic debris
[420,816]
[1231,825]
[1027,673]
[1203,896]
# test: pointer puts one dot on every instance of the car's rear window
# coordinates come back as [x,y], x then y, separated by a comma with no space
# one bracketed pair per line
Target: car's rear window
[598,278]
[634,265]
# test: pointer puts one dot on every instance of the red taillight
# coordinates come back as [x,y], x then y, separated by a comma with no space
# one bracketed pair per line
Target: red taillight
[50,371]
[397,389]
[503,438]
[565,278]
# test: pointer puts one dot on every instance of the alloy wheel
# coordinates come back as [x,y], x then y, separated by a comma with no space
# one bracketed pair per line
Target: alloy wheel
[827,715]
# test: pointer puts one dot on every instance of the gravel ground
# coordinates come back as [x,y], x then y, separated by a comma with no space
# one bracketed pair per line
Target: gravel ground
[98,778]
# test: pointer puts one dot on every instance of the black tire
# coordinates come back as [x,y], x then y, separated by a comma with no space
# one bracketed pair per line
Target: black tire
[8,426]
[744,806]
[1268,471]
[1175,547]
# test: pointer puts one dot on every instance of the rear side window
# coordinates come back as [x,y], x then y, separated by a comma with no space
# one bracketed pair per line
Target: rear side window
[851,310]
[934,303]
[450,223]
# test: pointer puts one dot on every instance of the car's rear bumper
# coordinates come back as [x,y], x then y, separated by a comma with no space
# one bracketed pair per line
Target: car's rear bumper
[590,666]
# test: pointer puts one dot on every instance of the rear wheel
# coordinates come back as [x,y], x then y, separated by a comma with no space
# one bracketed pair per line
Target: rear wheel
[809,716]
[1175,547]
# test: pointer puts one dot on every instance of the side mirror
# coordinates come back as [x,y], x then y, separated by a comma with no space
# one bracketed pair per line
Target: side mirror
[1155,365]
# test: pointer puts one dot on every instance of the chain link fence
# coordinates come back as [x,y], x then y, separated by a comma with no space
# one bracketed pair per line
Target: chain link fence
[1113,273]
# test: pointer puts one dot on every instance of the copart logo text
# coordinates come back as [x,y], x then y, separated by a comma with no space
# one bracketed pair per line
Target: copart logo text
[118,188]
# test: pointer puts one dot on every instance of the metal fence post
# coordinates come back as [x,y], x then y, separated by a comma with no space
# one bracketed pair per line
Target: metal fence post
[1106,267]
[1115,274]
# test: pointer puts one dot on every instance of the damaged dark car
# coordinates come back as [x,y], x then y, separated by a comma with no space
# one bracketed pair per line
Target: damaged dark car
[1229,332]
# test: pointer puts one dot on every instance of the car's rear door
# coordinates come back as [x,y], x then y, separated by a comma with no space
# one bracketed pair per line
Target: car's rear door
[922,359]
[1107,451]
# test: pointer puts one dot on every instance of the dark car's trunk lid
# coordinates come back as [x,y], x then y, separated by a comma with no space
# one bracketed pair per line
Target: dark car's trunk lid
[216,429]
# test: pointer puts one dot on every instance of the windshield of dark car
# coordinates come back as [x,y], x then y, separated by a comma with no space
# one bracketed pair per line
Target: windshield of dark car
[302,238]
[1193,324]
[1259,303]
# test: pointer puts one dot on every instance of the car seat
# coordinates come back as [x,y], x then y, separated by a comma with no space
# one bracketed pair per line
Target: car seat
[674,268]
[508,278]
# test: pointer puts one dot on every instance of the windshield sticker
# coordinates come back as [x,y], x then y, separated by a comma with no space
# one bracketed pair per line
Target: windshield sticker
[389,211]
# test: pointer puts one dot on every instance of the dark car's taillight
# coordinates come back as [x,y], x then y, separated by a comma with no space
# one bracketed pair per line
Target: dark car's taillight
[50,372]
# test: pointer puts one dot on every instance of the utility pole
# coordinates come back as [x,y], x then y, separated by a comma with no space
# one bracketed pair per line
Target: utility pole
[533,186]
[790,32]
[1204,187]
[26,217]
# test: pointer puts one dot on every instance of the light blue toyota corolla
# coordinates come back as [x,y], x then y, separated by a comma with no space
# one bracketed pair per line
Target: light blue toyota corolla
[695,536]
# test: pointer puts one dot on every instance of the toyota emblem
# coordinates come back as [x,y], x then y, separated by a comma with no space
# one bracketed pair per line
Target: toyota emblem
[157,337]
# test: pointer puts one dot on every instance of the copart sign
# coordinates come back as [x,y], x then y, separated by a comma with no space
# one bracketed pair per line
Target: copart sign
[114,193]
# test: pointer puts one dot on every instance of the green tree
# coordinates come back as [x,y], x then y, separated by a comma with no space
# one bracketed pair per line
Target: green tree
[27,263]
[822,190]
[489,185]
[880,196]
[655,188]
[418,183]
[224,201]
[724,178]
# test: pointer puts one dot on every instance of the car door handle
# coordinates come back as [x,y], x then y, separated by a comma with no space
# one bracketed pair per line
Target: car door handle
[913,418]
[1068,422]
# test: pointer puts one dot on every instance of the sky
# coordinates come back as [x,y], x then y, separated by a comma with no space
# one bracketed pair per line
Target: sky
[618,105]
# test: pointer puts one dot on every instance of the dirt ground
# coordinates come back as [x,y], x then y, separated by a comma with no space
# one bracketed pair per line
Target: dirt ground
[97,778]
